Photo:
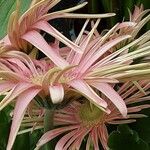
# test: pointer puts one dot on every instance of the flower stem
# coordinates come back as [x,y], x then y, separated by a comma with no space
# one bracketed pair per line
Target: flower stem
[48,125]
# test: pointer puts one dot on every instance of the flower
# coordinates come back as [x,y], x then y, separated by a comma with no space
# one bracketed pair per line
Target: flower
[137,20]
[88,64]
[81,120]
[24,30]
[84,72]
[23,79]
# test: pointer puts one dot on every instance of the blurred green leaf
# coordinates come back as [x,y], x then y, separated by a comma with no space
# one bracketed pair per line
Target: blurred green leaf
[143,129]
[126,139]
[4,126]
[34,137]
[22,142]
[6,8]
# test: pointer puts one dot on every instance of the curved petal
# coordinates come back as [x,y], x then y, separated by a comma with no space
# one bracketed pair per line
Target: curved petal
[62,142]
[22,102]
[53,133]
[56,93]
[43,25]
[112,95]
[88,92]
[38,41]
[103,136]
[16,91]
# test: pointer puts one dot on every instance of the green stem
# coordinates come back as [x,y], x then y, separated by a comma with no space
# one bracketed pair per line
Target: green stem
[48,125]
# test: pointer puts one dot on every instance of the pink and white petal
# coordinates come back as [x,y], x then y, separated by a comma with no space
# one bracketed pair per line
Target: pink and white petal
[88,92]
[125,25]
[45,26]
[103,136]
[38,41]
[62,142]
[53,133]
[56,93]
[102,50]
[77,144]
[16,91]
[94,137]
[6,86]
[112,95]
[75,137]
[22,102]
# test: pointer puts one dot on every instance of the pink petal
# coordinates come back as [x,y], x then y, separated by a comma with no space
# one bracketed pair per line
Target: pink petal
[87,62]
[103,136]
[38,41]
[56,93]
[76,145]
[22,102]
[6,86]
[126,25]
[45,26]
[52,134]
[88,92]
[112,95]
[63,141]
[16,91]
[75,137]
[94,137]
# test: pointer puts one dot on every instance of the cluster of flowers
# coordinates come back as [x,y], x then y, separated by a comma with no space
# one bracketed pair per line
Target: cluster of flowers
[95,78]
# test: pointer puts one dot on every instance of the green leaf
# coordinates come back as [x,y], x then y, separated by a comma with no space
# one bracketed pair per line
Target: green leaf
[126,139]
[6,8]
[142,127]
[22,142]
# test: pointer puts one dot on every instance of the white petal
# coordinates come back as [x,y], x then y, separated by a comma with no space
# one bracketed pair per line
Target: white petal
[56,93]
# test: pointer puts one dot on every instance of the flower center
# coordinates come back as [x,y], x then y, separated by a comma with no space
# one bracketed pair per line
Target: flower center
[37,80]
[90,114]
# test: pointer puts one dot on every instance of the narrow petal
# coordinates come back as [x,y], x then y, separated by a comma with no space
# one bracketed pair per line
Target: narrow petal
[103,136]
[52,134]
[38,41]
[94,137]
[63,141]
[17,90]
[112,95]
[75,137]
[22,102]
[88,92]
[102,50]
[56,93]
[6,86]
[43,25]
[77,144]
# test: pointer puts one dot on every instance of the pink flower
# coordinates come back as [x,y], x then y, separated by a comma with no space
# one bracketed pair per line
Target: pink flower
[95,68]
[88,63]
[23,79]
[24,30]
[82,119]
[137,20]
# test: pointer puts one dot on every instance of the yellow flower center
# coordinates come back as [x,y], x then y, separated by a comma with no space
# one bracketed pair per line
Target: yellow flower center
[90,114]
[37,80]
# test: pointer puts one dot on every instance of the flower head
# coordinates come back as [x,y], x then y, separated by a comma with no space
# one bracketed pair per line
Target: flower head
[86,65]
[81,120]
[24,31]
